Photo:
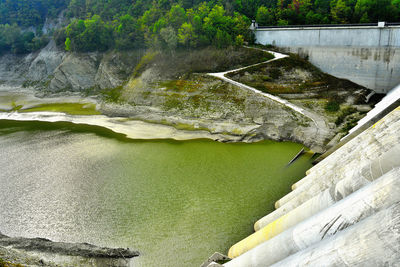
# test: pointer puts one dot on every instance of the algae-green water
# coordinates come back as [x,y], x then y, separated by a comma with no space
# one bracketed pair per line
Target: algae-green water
[175,202]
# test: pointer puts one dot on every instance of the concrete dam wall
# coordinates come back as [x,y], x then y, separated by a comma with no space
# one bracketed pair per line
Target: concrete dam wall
[344,212]
[366,55]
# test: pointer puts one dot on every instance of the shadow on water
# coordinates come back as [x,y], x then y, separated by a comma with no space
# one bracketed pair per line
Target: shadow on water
[12,126]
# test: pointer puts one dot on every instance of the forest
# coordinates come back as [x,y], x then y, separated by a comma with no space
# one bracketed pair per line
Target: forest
[100,25]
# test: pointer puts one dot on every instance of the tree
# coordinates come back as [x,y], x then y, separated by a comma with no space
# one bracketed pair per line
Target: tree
[340,12]
[127,33]
[216,20]
[315,18]
[247,7]
[159,24]
[222,39]
[77,8]
[11,33]
[97,35]
[264,16]
[241,27]
[89,35]
[176,16]
[374,10]
[150,17]
[169,36]
[187,36]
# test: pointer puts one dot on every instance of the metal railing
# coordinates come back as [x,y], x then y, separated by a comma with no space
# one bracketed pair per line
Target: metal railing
[330,25]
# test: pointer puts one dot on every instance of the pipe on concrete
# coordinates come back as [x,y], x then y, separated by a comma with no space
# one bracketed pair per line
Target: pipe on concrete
[372,198]
[345,151]
[374,241]
[299,183]
[333,173]
[341,189]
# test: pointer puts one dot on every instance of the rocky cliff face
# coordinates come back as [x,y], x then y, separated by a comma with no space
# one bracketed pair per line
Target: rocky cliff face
[53,70]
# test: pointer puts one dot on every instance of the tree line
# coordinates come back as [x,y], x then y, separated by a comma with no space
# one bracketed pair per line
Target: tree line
[176,27]
[21,22]
[99,25]
[305,12]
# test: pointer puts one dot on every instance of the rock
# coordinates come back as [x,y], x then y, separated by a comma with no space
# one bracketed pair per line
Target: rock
[44,64]
[76,73]
[44,252]
[71,249]
[213,259]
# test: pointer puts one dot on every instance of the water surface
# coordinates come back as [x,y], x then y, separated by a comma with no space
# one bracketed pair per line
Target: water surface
[175,202]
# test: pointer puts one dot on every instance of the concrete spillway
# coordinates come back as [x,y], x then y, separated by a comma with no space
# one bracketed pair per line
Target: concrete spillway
[346,211]
[364,148]
[341,189]
[372,242]
[377,196]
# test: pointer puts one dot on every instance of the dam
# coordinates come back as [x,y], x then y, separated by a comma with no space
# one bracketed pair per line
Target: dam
[346,210]
[367,54]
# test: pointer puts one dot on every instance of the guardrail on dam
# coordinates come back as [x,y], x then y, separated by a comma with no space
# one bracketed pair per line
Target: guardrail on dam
[365,54]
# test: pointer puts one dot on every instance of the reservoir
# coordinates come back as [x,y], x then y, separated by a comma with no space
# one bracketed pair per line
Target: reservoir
[177,202]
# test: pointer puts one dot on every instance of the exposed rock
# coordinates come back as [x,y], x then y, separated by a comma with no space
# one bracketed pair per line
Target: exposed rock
[45,63]
[44,252]
[54,70]
[76,72]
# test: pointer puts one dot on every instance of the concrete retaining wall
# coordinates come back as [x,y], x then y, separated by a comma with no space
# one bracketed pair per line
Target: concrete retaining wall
[369,56]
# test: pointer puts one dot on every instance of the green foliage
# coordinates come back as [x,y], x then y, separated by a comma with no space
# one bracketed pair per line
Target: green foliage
[127,34]
[340,12]
[275,73]
[247,7]
[68,44]
[176,16]
[198,26]
[239,40]
[12,39]
[112,94]
[343,114]
[373,10]
[222,39]
[27,13]
[264,16]
[89,35]
[170,38]
[98,25]
[332,106]
[187,35]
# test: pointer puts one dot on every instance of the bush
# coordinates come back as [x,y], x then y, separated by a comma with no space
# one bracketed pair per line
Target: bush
[275,73]
[112,94]
[332,106]
[345,112]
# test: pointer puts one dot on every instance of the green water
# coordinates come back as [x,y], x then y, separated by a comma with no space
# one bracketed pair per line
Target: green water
[175,202]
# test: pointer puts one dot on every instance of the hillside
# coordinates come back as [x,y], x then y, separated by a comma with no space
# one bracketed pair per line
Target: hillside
[88,26]
[173,89]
